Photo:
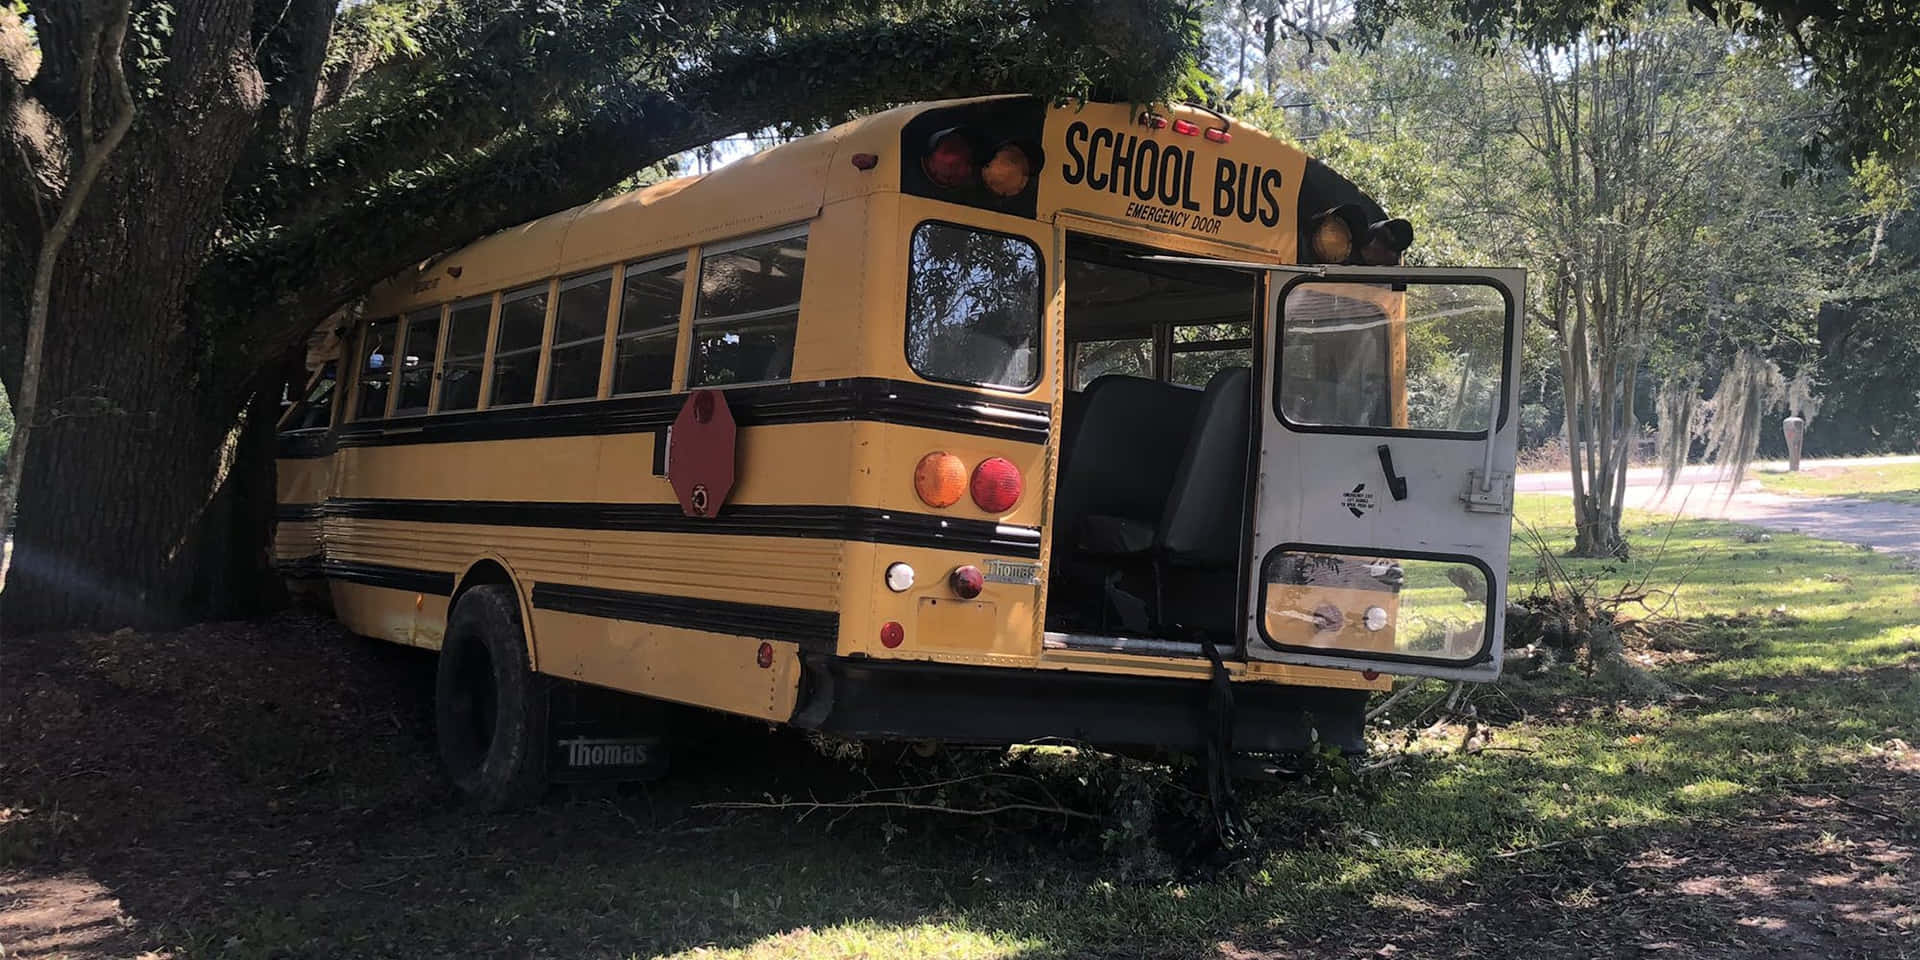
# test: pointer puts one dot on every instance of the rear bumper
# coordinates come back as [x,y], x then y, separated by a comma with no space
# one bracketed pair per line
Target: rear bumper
[936,701]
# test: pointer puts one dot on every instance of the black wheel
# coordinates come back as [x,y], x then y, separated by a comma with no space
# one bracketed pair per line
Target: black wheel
[490,708]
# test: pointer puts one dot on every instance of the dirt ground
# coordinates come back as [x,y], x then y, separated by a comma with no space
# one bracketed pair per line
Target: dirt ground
[188,793]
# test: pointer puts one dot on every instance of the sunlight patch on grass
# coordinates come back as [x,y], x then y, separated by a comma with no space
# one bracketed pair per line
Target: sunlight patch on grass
[1890,482]
[865,939]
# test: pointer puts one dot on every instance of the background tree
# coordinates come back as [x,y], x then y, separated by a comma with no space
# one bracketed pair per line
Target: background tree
[284,155]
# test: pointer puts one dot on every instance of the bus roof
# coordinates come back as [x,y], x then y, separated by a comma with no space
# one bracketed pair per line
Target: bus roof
[783,184]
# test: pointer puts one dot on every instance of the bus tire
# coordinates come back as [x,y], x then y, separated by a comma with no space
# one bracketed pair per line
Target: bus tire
[490,708]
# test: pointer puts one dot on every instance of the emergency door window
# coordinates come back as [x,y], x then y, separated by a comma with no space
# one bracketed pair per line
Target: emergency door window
[1423,357]
[1424,608]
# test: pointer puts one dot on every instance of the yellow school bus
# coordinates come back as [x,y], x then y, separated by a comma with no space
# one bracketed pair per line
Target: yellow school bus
[980,421]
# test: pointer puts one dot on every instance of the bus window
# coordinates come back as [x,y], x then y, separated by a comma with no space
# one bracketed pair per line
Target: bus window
[1333,361]
[416,368]
[376,369]
[466,354]
[579,328]
[649,325]
[973,307]
[1201,350]
[748,309]
[516,348]
[315,409]
[1093,359]
[1337,355]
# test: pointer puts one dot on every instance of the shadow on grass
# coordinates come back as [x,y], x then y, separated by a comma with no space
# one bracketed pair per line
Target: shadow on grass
[270,790]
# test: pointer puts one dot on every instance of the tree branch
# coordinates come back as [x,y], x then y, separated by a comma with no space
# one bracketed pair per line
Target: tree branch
[107,49]
[337,251]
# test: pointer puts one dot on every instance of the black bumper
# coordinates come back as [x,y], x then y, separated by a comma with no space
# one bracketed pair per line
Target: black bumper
[895,699]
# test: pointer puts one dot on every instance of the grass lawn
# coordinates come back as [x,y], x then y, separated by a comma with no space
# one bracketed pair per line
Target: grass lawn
[1891,482]
[1799,663]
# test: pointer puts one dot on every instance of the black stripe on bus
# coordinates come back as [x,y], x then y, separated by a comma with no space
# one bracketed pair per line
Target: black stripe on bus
[864,524]
[309,444]
[435,582]
[825,401]
[299,568]
[811,629]
[296,512]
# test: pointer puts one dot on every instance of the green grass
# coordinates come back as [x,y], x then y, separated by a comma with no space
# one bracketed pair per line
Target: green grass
[1891,482]
[1800,658]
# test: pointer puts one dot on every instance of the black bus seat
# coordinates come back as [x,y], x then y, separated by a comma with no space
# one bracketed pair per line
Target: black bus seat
[1118,463]
[1197,542]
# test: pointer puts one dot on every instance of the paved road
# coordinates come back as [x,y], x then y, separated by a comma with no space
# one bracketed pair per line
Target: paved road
[1891,527]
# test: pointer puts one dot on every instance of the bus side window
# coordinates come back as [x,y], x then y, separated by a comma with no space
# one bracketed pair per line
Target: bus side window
[649,325]
[376,369]
[466,354]
[314,409]
[516,348]
[579,327]
[747,312]
[416,368]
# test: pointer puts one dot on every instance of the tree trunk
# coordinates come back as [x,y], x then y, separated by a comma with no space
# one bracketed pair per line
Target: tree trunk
[144,506]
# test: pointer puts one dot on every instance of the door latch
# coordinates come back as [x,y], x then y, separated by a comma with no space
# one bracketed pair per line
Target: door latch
[1493,496]
[1396,483]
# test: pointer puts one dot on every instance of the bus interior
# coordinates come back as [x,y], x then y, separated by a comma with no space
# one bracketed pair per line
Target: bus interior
[1152,491]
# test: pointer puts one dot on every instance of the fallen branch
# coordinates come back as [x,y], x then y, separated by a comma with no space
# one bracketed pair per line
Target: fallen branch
[1523,851]
[1388,703]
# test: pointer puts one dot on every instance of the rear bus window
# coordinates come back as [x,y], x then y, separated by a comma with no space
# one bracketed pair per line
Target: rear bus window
[649,325]
[416,368]
[973,307]
[376,370]
[466,354]
[749,307]
[516,348]
[579,329]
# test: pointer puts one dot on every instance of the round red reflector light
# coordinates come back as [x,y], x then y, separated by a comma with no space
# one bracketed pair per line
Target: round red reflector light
[939,478]
[765,656]
[996,485]
[966,581]
[1008,172]
[892,635]
[949,160]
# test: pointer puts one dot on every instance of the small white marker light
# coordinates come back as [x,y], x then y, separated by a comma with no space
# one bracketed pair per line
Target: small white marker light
[1376,619]
[899,578]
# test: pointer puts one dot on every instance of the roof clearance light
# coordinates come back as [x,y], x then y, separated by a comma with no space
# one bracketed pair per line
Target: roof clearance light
[1008,172]
[996,485]
[1186,128]
[865,161]
[1218,134]
[949,160]
[1154,121]
[939,479]
[1332,239]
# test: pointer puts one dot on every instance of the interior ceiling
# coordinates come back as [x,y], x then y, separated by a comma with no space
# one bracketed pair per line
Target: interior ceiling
[1111,294]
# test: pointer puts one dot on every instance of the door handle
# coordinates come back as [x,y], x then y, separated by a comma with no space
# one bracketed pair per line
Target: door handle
[1396,484]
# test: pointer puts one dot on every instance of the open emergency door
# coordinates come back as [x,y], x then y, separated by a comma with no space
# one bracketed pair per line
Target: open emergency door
[1388,412]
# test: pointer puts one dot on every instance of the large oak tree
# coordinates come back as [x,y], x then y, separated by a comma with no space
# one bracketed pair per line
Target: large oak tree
[281,156]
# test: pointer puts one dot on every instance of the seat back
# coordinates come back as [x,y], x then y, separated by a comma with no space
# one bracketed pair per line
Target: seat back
[1201,526]
[1121,451]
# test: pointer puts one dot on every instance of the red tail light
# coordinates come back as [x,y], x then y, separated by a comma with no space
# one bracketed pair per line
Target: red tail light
[949,161]
[996,485]
[966,581]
